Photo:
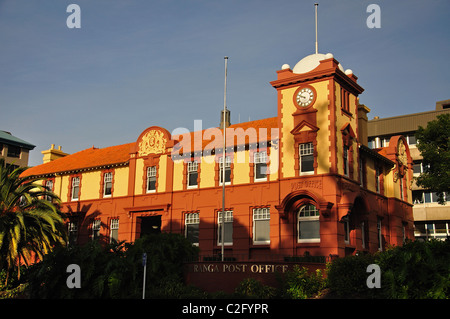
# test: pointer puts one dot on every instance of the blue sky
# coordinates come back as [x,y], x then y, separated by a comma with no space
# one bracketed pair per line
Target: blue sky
[139,63]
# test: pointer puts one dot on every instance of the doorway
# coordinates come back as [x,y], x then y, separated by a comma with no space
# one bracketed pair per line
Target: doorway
[150,225]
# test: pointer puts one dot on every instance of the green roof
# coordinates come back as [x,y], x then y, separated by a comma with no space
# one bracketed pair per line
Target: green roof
[7,138]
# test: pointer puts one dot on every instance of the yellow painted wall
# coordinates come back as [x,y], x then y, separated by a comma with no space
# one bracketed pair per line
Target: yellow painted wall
[341,120]
[274,164]
[287,122]
[90,185]
[207,172]
[241,171]
[178,175]
[162,173]
[370,175]
[139,176]
[64,187]
[288,144]
[121,181]
[322,117]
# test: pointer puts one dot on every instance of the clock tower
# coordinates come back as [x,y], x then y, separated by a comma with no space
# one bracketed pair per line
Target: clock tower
[318,107]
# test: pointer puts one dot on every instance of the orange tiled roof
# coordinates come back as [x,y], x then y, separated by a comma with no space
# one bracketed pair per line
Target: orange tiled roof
[88,158]
[97,157]
[210,141]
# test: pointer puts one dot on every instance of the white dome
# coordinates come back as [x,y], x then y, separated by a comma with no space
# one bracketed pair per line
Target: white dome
[311,62]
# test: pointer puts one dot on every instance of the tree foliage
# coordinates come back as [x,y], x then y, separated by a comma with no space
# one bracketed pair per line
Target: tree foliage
[31,224]
[434,145]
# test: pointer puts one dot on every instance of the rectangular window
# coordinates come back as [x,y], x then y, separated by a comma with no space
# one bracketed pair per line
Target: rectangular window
[227,170]
[378,179]
[72,229]
[308,224]
[49,187]
[346,222]
[261,226]
[380,235]
[345,160]
[363,234]
[228,228]
[192,171]
[260,160]
[96,229]
[151,179]
[114,231]
[13,151]
[192,224]
[107,184]
[306,153]
[75,188]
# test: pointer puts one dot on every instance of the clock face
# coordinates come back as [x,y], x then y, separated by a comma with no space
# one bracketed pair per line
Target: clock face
[305,97]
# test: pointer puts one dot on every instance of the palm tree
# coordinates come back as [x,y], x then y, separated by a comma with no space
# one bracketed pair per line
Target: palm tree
[31,224]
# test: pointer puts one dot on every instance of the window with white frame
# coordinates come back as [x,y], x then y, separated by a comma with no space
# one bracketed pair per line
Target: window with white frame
[227,170]
[114,231]
[192,171]
[380,235]
[151,179]
[228,228]
[346,165]
[72,229]
[107,184]
[49,188]
[308,227]
[96,223]
[75,188]
[260,161]
[346,221]
[306,154]
[261,225]
[378,179]
[192,225]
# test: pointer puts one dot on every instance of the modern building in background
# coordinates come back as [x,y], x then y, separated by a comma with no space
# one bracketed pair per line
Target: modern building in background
[14,150]
[431,220]
[301,183]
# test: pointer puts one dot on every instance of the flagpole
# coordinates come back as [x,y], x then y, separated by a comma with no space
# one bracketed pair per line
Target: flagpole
[223,158]
[317,44]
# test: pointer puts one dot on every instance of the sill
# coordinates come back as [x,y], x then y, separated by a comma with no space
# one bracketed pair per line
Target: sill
[261,244]
[192,187]
[308,241]
[151,191]
[226,244]
[306,173]
[74,199]
[260,180]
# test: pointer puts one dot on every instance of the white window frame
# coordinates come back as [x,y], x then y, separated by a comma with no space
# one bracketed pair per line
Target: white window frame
[107,178]
[379,234]
[346,221]
[151,173]
[96,226]
[189,220]
[346,161]
[261,215]
[49,188]
[114,226]
[227,167]
[307,219]
[192,167]
[228,221]
[260,158]
[75,184]
[305,149]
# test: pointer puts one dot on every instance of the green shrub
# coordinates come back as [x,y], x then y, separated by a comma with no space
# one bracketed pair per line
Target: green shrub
[416,270]
[301,284]
[253,288]
[347,276]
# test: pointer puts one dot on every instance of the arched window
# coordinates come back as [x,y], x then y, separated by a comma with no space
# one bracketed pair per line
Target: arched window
[308,227]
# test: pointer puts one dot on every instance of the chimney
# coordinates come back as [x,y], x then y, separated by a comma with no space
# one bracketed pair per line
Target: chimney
[362,124]
[227,119]
[52,154]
